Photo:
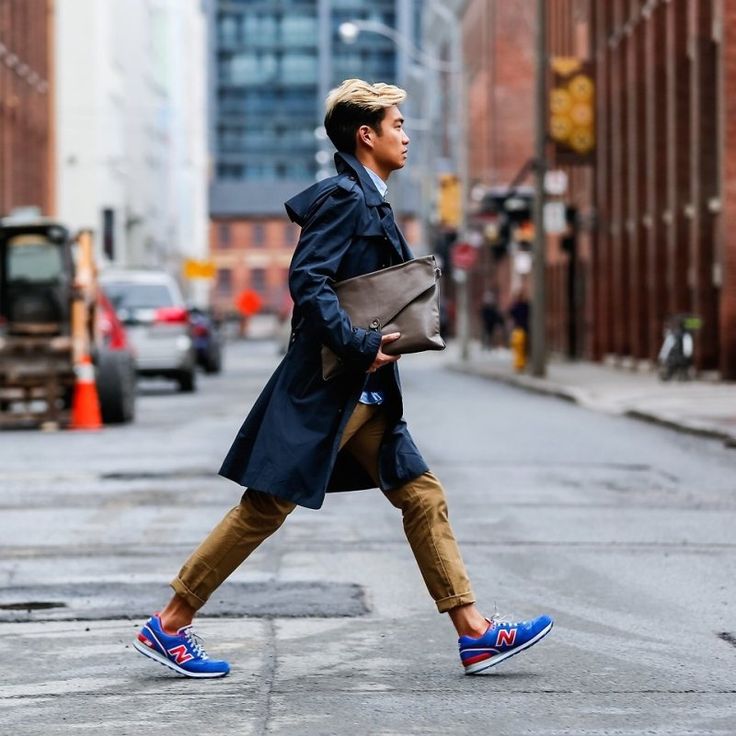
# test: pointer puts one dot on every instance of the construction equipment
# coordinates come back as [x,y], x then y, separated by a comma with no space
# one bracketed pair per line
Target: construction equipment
[49,323]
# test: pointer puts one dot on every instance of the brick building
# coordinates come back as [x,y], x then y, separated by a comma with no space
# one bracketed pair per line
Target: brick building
[498,44]
[252,254]
[26,104]
[498,50]
[659,202]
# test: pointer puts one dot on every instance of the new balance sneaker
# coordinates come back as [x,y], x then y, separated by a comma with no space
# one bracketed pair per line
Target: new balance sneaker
[502,640]
[182,651]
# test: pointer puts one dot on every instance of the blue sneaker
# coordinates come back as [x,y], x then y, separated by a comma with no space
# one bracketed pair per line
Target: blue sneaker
[502,640]
[182,651]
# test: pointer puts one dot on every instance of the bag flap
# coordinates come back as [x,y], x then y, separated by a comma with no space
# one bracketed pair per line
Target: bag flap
[373,299]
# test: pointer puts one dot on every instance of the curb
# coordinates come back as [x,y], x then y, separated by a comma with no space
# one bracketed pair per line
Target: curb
[546,388]
[709,432]
[533,385]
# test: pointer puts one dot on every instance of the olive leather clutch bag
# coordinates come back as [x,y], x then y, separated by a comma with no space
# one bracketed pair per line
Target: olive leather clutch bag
[404,298]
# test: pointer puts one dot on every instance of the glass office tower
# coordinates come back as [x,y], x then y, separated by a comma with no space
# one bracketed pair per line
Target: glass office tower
[273,63]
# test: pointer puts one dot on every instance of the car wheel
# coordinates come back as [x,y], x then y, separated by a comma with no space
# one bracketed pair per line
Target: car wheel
[116,385]
[187,380]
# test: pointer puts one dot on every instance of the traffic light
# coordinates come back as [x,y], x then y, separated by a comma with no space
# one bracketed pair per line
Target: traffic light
[448,204]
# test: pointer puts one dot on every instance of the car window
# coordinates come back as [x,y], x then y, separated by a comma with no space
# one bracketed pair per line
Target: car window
[33,258]
[128,295]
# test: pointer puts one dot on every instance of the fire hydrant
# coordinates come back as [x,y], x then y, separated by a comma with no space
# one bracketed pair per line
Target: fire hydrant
[518,348]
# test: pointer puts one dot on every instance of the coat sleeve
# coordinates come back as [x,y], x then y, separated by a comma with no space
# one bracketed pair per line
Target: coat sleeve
[325,238]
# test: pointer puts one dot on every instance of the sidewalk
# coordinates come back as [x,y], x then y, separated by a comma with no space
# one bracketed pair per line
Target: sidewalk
[698,407]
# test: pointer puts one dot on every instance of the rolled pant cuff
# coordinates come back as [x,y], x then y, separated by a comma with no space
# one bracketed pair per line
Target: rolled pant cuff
[183,592]
[453,601]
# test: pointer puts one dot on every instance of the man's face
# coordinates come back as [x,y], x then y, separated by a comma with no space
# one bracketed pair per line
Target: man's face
[390,148]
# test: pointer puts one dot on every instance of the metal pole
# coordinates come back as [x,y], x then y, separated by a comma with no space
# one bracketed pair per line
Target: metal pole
[458,135]
[463,310]
[538,343]
[461,161]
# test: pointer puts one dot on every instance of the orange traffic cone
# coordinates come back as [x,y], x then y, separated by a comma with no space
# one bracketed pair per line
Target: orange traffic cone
[86,403]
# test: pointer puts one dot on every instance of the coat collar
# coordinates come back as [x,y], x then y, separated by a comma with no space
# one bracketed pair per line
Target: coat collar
[346,163]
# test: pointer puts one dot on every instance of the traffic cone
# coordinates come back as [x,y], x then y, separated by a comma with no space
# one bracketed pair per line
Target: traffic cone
[86,403]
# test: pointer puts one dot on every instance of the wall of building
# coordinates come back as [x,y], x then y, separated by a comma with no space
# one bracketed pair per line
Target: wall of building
[26,102]
[661,179]
[658,188]
[498,43]
[725,226]
[252,253]
[131,111]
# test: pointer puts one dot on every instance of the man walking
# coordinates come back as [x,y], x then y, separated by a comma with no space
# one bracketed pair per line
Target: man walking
[305,436]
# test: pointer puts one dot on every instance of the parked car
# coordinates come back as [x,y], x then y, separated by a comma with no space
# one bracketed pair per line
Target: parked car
[151,306]
[207,340]
[116,365]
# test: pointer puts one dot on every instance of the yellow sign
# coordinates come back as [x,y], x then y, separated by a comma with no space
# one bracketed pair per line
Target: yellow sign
[194,269]
[448,204]
[572,108]
[565,65]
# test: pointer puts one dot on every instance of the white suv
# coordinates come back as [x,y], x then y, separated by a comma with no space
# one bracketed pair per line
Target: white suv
[151,306]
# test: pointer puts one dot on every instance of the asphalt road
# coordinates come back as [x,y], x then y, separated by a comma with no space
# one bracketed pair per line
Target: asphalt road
[623,531]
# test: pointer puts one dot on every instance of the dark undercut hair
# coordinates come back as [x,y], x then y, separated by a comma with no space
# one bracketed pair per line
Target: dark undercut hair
[355,103]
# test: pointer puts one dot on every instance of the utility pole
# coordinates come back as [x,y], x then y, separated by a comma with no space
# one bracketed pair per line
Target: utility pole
[538,342]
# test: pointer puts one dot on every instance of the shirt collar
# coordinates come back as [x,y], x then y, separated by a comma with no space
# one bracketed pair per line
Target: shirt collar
[379,183]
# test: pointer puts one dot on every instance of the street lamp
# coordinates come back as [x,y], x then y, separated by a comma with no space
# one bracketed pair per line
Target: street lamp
[351,29]
[538,342]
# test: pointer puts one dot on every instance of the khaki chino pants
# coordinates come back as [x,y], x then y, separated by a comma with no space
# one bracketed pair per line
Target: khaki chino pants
[258,515]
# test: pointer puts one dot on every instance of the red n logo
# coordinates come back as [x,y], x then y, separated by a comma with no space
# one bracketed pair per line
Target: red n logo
[181,654]
[506,637]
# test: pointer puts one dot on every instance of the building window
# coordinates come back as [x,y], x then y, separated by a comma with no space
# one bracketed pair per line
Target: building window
[229,171]
[259,234]
[291,234]
[223,235]
[224,283]
[108,233]
[258,280]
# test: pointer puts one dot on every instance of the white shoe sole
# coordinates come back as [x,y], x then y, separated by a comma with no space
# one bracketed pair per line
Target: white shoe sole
[148,652]
[486,664]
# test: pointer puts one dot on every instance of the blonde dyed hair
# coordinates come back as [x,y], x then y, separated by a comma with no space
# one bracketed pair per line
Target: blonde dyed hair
[355,103]
[364,95]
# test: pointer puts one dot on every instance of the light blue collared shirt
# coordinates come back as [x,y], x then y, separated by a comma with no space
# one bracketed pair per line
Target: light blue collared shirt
[374,398]
[380,183]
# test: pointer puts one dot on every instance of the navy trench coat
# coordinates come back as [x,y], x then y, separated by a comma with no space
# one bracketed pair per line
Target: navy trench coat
[288,444]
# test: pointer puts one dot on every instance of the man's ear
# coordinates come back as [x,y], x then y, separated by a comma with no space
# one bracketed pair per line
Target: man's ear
[365,135]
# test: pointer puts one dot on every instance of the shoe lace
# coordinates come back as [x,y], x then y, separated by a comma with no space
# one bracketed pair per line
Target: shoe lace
[195,642]
[498,618]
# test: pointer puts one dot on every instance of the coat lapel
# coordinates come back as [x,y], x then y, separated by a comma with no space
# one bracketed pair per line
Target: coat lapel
[388,225]
[380,212]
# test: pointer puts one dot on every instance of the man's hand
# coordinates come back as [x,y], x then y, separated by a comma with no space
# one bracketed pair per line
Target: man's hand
[381,357]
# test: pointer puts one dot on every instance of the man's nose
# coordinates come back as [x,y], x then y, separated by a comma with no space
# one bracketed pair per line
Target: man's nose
[406,140]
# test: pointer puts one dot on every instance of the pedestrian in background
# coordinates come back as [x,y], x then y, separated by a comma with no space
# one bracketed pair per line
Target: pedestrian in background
[518,314]
[305,436]
[491,319]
